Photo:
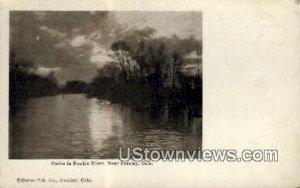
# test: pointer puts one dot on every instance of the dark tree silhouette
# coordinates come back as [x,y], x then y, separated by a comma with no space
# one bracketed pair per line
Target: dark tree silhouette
[121,55]
[153,73]
[24,83]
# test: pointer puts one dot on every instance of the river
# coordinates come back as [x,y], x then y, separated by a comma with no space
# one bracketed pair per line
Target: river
[76,127]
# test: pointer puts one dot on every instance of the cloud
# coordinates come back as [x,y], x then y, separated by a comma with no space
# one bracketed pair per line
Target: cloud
[192,69]
[53,32]
[45,71]
[96,35]
[100,59]
[80,40]
[87,46]
[194,65]
[193,55]
[99,56]
[62,39]
[61,44]
[183,24]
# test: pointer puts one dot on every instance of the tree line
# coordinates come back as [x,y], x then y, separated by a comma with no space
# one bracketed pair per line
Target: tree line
[24,83]
[152,73]
[146,72]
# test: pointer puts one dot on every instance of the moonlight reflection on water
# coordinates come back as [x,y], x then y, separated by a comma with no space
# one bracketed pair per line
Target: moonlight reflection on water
[74,126]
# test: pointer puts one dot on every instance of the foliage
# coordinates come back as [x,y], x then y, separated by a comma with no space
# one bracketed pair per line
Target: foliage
[24,83]
[149,73]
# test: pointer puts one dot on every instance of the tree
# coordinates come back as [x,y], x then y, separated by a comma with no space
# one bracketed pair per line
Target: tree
[75,86]
[109,70]
[176,65]
[121,55]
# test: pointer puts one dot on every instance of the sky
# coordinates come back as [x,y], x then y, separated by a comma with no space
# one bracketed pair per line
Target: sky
[75,44]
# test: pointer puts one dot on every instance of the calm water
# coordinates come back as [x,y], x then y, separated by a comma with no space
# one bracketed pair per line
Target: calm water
[74,126]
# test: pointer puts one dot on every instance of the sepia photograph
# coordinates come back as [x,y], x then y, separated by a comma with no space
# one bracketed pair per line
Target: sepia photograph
[131,93]
[83,84]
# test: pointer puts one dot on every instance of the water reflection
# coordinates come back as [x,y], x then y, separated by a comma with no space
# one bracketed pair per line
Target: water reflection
[74,126]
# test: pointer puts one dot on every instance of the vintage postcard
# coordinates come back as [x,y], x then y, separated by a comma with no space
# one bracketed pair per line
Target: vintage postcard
[100,80]
[149,94]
